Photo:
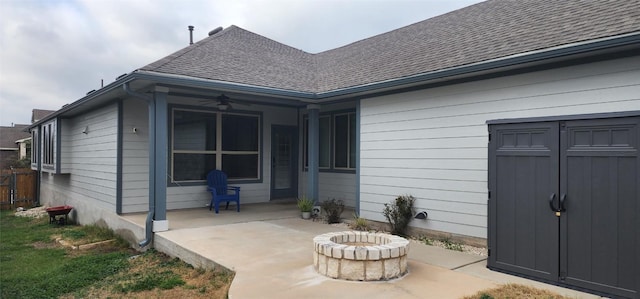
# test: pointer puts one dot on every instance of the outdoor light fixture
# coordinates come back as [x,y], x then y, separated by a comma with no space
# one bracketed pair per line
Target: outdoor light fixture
[85,130]
[421,215]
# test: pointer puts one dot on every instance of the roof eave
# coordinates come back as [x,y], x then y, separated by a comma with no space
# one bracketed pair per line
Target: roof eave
[182,80]
[566,50]
[86,99]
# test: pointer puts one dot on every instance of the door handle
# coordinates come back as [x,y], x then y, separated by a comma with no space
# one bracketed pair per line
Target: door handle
[562,199]
[551,205]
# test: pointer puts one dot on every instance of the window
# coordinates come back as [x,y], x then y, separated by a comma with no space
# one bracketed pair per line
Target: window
[206,140]
[337,141]
[35,142]
[344,140]
[48,144]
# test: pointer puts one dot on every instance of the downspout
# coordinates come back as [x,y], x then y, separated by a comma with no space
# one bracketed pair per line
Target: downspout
[152,142]
[38,163]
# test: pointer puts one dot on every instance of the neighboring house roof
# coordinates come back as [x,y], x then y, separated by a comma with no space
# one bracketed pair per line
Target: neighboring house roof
[9,136]
[481,32]
[38,114]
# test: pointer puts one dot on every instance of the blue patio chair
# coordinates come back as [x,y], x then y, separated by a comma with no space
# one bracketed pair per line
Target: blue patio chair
[217,185]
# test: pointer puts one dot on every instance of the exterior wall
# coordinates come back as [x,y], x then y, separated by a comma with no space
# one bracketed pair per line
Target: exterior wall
[90,164]
[135,156]
[432,143]
[333,185]
[338,185]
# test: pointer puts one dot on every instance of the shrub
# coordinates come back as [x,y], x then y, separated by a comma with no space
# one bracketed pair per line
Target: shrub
[398,213]
[332,210]
[360,223]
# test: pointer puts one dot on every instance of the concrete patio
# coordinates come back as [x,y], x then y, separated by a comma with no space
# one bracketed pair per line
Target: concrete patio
[270,249]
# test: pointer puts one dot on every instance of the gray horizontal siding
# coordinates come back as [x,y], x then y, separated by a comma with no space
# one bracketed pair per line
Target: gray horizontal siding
[433,143]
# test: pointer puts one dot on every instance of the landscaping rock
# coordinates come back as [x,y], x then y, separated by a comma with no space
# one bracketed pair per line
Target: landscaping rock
[33,213]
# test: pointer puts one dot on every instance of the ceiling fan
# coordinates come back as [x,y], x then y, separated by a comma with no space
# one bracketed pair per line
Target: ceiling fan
[223,102]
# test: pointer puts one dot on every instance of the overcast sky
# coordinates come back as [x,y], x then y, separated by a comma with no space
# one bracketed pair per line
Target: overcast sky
[53,52]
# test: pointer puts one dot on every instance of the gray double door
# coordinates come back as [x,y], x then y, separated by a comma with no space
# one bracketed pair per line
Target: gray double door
[564,202]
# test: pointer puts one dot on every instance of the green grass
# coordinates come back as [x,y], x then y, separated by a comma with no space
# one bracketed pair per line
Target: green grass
[31,268]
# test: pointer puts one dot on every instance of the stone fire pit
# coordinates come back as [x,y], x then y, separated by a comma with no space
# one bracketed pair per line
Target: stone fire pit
[363,256]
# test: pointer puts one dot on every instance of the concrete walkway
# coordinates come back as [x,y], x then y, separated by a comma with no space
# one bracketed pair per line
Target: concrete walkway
[273,259]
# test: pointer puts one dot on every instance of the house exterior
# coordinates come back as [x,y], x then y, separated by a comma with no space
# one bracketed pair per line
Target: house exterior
[11,150]
[403,112]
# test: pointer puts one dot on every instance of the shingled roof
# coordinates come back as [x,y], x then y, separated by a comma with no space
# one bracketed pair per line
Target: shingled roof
[481,32]
[9,136]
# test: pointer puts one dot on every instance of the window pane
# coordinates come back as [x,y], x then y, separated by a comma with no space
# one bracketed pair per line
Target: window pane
[192,167]
[240,166]
[305,136]
[352,140]
[194,131]
[34,146]
[239,133]
[341,141]
[325,142]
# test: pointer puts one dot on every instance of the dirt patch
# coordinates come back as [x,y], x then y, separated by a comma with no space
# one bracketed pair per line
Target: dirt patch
[198,283]
[515,291]
[45,245]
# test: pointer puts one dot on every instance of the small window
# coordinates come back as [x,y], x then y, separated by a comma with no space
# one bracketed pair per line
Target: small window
[35,142]
[48,144]
[344,141]
[337,144]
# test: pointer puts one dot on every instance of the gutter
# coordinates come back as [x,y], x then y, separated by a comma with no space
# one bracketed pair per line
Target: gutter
[512,60]
[88,98]
[152,168]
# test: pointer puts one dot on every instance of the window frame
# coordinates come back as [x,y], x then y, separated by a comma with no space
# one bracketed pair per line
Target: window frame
[349,115]
[218,152]
[332,115]
[49,143]
[35,148]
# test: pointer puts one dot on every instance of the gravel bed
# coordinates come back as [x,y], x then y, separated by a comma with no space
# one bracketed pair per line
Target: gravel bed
[33,213]
[481,251]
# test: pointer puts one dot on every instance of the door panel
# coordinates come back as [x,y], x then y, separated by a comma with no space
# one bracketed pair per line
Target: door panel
[600,244]
[284,161]
[524,178]
[593,168]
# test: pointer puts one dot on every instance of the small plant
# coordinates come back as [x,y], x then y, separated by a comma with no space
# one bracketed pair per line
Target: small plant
[359,223]
[426,240]
[448,244]
[398,213]
[305,204]
[332,210]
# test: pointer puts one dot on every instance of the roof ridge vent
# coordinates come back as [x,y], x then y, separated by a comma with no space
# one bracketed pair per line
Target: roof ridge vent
[214,31]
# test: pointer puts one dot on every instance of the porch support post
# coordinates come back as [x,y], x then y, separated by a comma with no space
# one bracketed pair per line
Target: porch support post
[314,151]
[357,208]
[160,222]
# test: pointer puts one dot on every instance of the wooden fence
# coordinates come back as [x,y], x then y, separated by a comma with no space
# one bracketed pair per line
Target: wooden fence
[17,188]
